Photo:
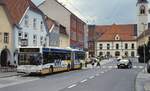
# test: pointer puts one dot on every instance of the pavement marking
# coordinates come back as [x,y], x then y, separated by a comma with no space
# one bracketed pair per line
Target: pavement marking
[97,74]
[141,67]
[91,77]
[72,86]
[104,67]
[134,66]
[115,66]
[83,80]
[110,66]
[102,72]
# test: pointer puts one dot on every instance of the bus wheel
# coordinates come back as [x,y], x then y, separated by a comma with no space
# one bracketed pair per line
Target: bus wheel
[51,69]
[68,67]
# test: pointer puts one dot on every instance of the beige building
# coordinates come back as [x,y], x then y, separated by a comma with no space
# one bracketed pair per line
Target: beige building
[113,40]
[60,14]
[143,38]
[143,25]
[5,38]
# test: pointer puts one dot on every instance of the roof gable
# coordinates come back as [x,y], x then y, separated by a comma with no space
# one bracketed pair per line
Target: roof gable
[109,32]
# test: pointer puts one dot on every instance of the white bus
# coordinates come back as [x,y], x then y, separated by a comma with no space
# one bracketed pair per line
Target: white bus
[49,60]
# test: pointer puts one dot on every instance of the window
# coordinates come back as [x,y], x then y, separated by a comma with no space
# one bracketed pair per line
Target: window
[132,54]
[34,40]
[25,35]
[34,23]
[117,37]
[108,46]
[24,41]
[100,53]
[100,46]
[26,21]
[6,38]
[117,53]
[41,26]
[126,46]
[0,37]
[132,46]
[142,9]
[117,46]
[73,35]
[126,54]
[19,37]
[41,40]
[108,54]
[46,41]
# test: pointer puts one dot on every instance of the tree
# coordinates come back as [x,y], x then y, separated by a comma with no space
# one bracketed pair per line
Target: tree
[140,53]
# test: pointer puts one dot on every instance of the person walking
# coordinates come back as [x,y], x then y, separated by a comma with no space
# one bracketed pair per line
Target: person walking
[98,64]
[93,63]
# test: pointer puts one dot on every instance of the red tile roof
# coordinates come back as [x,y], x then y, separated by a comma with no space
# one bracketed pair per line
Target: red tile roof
[49,22]
[15,9]
[108,32]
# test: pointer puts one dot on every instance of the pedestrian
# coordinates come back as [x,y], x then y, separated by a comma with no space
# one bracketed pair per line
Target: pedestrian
[93,63]
[98,64]
[85,64]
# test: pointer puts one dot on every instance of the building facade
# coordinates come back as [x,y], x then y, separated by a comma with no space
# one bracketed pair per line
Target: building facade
[60,14]
[53,32]
[142,16]
[143,25]
[32,31]
[11,15]
[77,31]
[74,26]
[113,40]
[6,52]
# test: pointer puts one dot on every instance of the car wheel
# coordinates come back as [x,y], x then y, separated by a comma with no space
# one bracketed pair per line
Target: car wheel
[118,67]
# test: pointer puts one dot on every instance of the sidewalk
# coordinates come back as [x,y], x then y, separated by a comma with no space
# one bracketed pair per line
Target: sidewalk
[142,81]
[8,74]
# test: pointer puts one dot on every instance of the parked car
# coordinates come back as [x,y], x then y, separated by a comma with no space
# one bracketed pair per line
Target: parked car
[124,63]
[148,66]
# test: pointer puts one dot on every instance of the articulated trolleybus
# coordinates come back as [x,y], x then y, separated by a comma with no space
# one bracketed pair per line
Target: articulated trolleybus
[49,60]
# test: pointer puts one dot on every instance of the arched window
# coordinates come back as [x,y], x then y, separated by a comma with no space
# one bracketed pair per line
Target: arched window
[142,9]
[132,54]
[126,54]
[117,53]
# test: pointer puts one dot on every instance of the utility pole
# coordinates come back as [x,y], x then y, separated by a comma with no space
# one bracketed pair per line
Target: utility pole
[144,26]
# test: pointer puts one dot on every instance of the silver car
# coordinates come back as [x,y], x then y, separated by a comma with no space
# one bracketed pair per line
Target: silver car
[124,63]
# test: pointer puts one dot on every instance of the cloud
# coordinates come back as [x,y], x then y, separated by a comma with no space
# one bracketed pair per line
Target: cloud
[103,11]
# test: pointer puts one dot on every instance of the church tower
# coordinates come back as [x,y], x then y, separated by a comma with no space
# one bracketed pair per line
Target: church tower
[142,16]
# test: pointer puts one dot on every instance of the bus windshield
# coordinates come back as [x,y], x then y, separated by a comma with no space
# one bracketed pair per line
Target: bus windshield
[30,59]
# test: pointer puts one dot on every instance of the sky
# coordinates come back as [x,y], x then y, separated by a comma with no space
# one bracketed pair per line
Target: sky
[103,12]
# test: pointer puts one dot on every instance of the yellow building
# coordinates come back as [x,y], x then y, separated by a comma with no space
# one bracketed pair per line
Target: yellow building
[10,17]
[5,38]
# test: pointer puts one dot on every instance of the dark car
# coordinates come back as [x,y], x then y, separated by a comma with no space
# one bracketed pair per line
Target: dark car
[124,63]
